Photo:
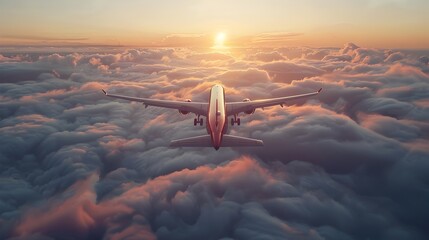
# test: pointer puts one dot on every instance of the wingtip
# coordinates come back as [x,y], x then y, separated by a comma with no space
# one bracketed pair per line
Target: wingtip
[319,90]
[105,93]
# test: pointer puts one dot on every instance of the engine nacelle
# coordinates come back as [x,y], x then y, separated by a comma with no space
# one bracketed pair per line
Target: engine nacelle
[251,111]
[185,112]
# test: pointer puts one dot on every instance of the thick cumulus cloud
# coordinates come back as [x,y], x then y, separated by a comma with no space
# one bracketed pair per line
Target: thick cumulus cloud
[350,163]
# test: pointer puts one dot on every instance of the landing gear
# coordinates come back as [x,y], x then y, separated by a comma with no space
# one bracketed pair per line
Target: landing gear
[235,120]
[198,120]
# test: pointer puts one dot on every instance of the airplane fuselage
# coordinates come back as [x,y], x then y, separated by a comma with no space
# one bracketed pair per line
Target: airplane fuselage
[216,115]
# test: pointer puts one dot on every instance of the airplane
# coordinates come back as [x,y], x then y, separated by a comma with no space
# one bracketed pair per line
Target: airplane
[216,111]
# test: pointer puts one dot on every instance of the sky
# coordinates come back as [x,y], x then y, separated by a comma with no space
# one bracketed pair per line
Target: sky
[192,23]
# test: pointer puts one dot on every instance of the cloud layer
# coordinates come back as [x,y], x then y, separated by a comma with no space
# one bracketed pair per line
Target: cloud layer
[349,164]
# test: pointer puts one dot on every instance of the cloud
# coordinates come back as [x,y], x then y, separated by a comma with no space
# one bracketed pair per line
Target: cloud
[358,145]
[317,55]
[286,72]
[29,37]
[424,60]
[337,58]
[251,76]
[266,56]
[347,164]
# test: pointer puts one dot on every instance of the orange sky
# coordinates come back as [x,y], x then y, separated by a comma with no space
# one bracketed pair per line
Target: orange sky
[196,23]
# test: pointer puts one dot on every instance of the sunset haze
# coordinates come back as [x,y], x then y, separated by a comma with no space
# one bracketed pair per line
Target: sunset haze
[316,23]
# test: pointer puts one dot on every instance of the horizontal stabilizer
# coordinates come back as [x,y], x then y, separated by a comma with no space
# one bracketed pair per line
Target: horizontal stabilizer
[198,141]
[236,141]
[227,141]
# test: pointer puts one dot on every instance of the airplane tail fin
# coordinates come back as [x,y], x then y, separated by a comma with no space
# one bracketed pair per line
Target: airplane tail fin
[227,141]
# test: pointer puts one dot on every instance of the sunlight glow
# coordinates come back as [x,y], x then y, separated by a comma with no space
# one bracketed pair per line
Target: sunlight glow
[220,40]
[219,25]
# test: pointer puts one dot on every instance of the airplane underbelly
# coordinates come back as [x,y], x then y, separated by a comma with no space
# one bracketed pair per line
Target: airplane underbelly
[216,115]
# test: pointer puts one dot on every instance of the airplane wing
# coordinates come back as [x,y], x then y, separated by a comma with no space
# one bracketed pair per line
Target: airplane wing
[227,141]
[233,108]
[195,107]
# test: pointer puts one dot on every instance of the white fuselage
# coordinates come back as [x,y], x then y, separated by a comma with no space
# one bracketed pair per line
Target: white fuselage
[216,116]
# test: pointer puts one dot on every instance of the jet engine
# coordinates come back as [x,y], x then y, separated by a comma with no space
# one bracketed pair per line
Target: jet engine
[185,112]
[251,111]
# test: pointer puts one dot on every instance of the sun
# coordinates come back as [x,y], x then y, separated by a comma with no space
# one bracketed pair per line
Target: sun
[220,40]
